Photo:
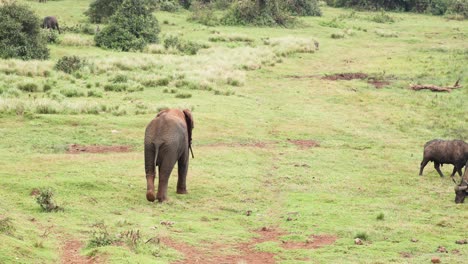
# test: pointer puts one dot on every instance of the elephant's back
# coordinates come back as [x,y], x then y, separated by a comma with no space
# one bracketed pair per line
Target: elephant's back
[167,127]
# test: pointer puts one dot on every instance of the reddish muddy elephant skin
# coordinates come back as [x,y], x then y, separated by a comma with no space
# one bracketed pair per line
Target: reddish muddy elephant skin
[168,138]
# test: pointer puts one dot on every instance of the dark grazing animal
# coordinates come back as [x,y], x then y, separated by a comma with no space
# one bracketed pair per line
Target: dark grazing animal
[461,190]
[445,152]
[51,22]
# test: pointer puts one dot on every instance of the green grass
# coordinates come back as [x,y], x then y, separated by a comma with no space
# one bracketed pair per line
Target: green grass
[361,181]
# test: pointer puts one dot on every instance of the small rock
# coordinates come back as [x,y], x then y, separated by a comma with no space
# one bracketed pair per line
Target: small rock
[456,252]
[435,260]
[462,241]
[115,131]
[289,218]
[357,241]
[249,212]
[264,228]
[442,249]
[414,240]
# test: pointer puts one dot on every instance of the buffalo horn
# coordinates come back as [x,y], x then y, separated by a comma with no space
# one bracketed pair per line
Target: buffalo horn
[461,188]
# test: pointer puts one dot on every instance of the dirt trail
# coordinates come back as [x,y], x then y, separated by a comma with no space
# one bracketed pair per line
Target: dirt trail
[246,251]
[71,253]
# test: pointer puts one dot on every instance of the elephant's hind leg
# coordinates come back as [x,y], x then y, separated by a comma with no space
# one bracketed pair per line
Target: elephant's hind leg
[182,171]
[165,170]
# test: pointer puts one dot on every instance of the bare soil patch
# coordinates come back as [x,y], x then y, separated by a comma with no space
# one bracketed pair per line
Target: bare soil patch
[246,251]
[346,76]
[315,241]
[76,149]
[376,82]
[305,143]
[257,144]
[71,253]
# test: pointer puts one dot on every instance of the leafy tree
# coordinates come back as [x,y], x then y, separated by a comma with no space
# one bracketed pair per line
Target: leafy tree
[132,27]
[100,10]
[304,7]
[20,33]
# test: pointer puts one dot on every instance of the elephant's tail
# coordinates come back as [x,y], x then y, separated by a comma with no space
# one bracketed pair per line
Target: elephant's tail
[151,155]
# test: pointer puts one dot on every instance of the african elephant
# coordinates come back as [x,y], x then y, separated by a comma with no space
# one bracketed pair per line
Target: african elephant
[168,138]
[51,22]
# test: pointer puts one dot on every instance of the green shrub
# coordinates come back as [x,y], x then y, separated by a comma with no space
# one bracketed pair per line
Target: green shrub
[70,64]
[258,13]
[44,199]
[183,95]
[11,92]
[94,93]
[362,236]
[6,226]
[51,36]
[204,15]
[55,95]
[100,10]
[382,17]
[458,7]
[20,33]
[337,35]
[303,7]
[380,216]
[186,47]
[116,87]
[100,237]
[120,78]
[28,87]
[168,5]
[156,82]
[72,92]
[132,27]
[46,87]
[135,88]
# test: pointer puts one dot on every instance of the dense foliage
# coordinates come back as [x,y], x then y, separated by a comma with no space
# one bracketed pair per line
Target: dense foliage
[100,10]
[258,12]
[20,33]
[303,7]
[132,27]
[436,7]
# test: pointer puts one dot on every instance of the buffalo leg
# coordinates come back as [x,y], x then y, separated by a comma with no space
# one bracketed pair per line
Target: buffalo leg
[423,164]
[437,167]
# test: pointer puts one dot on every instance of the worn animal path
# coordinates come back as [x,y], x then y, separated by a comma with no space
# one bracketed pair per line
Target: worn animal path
[71,253]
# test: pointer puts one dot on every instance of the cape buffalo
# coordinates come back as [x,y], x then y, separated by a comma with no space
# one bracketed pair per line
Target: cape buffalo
[445,152]
[461,190]
[51,22]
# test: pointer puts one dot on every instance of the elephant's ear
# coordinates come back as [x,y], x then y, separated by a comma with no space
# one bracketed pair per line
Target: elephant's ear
[189,122]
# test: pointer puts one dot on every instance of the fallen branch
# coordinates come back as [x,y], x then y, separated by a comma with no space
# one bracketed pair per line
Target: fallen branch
[436,88]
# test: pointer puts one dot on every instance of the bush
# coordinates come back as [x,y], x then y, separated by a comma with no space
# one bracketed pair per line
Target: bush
[51,36]
[100,10]
[70,64]
[100,236]
[132,27]
[168,5]
[259,13]
[28,87]
[72,92]
[382,17]
[116,87]
[20,33]
[187,47]
[183,95]
[459,7]
[435,7]
[44,199]
[6,226]
[304,7]
[94,93]
[203,14]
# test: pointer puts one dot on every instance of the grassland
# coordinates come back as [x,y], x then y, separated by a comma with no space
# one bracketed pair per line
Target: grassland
[253,92]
